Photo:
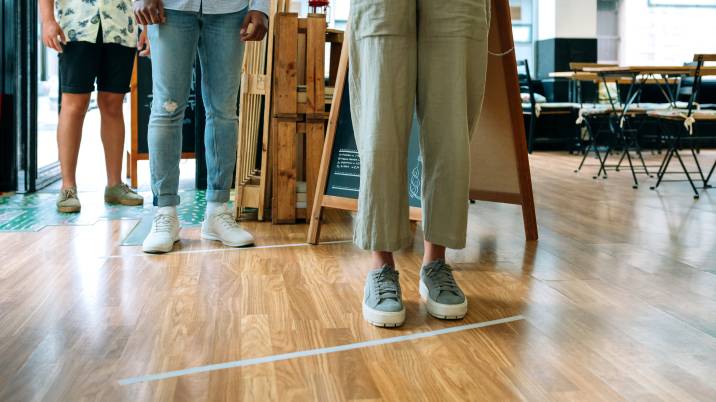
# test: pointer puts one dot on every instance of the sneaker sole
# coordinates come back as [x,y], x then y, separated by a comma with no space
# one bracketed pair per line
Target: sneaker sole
[383,318]
[210,236]
[158,250]
[126,203]
[442,311]
[68,210]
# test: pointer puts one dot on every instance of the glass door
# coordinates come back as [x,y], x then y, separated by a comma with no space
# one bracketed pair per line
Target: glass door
[35,102]
[48,101]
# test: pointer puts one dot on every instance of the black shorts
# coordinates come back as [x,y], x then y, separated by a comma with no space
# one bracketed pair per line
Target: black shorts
[81,63]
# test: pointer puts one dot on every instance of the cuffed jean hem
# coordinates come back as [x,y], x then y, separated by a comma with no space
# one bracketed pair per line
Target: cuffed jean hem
[451,242]
[217,195]
[381,245]
[166,201]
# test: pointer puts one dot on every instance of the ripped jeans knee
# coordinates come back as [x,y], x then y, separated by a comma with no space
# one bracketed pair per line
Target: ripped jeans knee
[170,106]
[167,112]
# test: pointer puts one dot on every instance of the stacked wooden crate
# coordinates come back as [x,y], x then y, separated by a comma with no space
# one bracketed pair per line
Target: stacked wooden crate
[289,87]
[298,112]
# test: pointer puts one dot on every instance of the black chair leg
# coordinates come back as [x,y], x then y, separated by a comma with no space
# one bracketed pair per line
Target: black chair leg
[665,166]
[631,166]
[592,144]
[698,165]
[584,158]
[688,176]
[619,164]
[708,178]
[603,163]
[531,134]
[641,158]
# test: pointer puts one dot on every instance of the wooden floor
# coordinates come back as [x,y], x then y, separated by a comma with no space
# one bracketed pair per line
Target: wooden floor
[619,296]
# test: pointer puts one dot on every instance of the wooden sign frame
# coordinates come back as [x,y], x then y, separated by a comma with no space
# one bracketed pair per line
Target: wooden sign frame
[500,165]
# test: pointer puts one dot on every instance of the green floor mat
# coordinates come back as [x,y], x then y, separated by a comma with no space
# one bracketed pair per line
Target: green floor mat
[32,212]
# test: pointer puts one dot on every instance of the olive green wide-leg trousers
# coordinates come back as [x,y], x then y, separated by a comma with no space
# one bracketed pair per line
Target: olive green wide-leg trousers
[429,55]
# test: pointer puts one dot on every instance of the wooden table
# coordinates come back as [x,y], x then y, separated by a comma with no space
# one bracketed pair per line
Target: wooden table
[640,75]
[594,77]
[629,71]
[577,77]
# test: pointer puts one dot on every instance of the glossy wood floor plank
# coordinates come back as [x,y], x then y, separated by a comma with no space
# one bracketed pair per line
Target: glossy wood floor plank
[619,296]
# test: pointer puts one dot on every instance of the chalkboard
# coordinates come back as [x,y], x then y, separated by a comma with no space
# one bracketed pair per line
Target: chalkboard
[344,172]
[144,107]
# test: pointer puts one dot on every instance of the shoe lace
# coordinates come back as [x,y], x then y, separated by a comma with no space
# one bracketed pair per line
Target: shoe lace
[440,274]
[164,222]
[226,219]
[125,188]
[69,193]
[386,283]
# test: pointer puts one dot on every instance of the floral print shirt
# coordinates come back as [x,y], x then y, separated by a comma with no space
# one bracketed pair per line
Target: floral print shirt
[81,20]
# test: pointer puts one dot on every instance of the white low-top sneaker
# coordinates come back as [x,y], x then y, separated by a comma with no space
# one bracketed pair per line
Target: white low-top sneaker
[221,226]
[163,235]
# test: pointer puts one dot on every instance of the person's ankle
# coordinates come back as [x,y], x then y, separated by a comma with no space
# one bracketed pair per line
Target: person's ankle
[168,210]
[213,207]
[382,258]
[67,186]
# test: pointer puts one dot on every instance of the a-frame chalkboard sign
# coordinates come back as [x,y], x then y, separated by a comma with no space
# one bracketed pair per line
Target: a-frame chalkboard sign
[499,164]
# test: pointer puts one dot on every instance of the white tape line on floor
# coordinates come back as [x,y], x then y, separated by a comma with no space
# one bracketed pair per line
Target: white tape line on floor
[229,249]
[314,352]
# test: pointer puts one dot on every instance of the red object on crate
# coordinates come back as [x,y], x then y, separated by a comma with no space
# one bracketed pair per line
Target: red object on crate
[318,5]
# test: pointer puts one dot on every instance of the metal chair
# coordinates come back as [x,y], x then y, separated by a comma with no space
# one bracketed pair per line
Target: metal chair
[535,109]
[681,124]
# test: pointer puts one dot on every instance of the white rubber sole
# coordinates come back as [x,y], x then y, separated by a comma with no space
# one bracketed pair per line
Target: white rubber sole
[211,236]
[159,250]
[383,318]
[442,311]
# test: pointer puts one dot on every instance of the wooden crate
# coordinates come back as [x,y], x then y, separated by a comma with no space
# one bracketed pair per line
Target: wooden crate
[298,112]
[290,85]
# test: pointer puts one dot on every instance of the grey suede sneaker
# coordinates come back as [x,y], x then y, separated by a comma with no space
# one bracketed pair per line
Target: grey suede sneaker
[123,195]
[382,302]
[67,201]
[444,298]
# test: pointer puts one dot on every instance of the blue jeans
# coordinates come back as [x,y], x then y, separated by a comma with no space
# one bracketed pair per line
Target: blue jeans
[174,45]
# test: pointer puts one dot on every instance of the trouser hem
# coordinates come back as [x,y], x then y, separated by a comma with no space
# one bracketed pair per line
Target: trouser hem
[217,195]
[452,242]
[166,201]
[382,245]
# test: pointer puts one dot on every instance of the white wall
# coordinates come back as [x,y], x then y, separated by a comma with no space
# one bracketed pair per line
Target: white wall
[546,19]
[664,35]
[567,19]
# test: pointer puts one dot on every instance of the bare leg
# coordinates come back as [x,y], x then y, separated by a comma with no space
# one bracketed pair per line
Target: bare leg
[381,258]
[433,252]
[69,134]
[112,129]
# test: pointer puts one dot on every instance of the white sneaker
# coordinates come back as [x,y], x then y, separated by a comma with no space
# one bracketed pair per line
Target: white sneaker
[163,235]
[221,226]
